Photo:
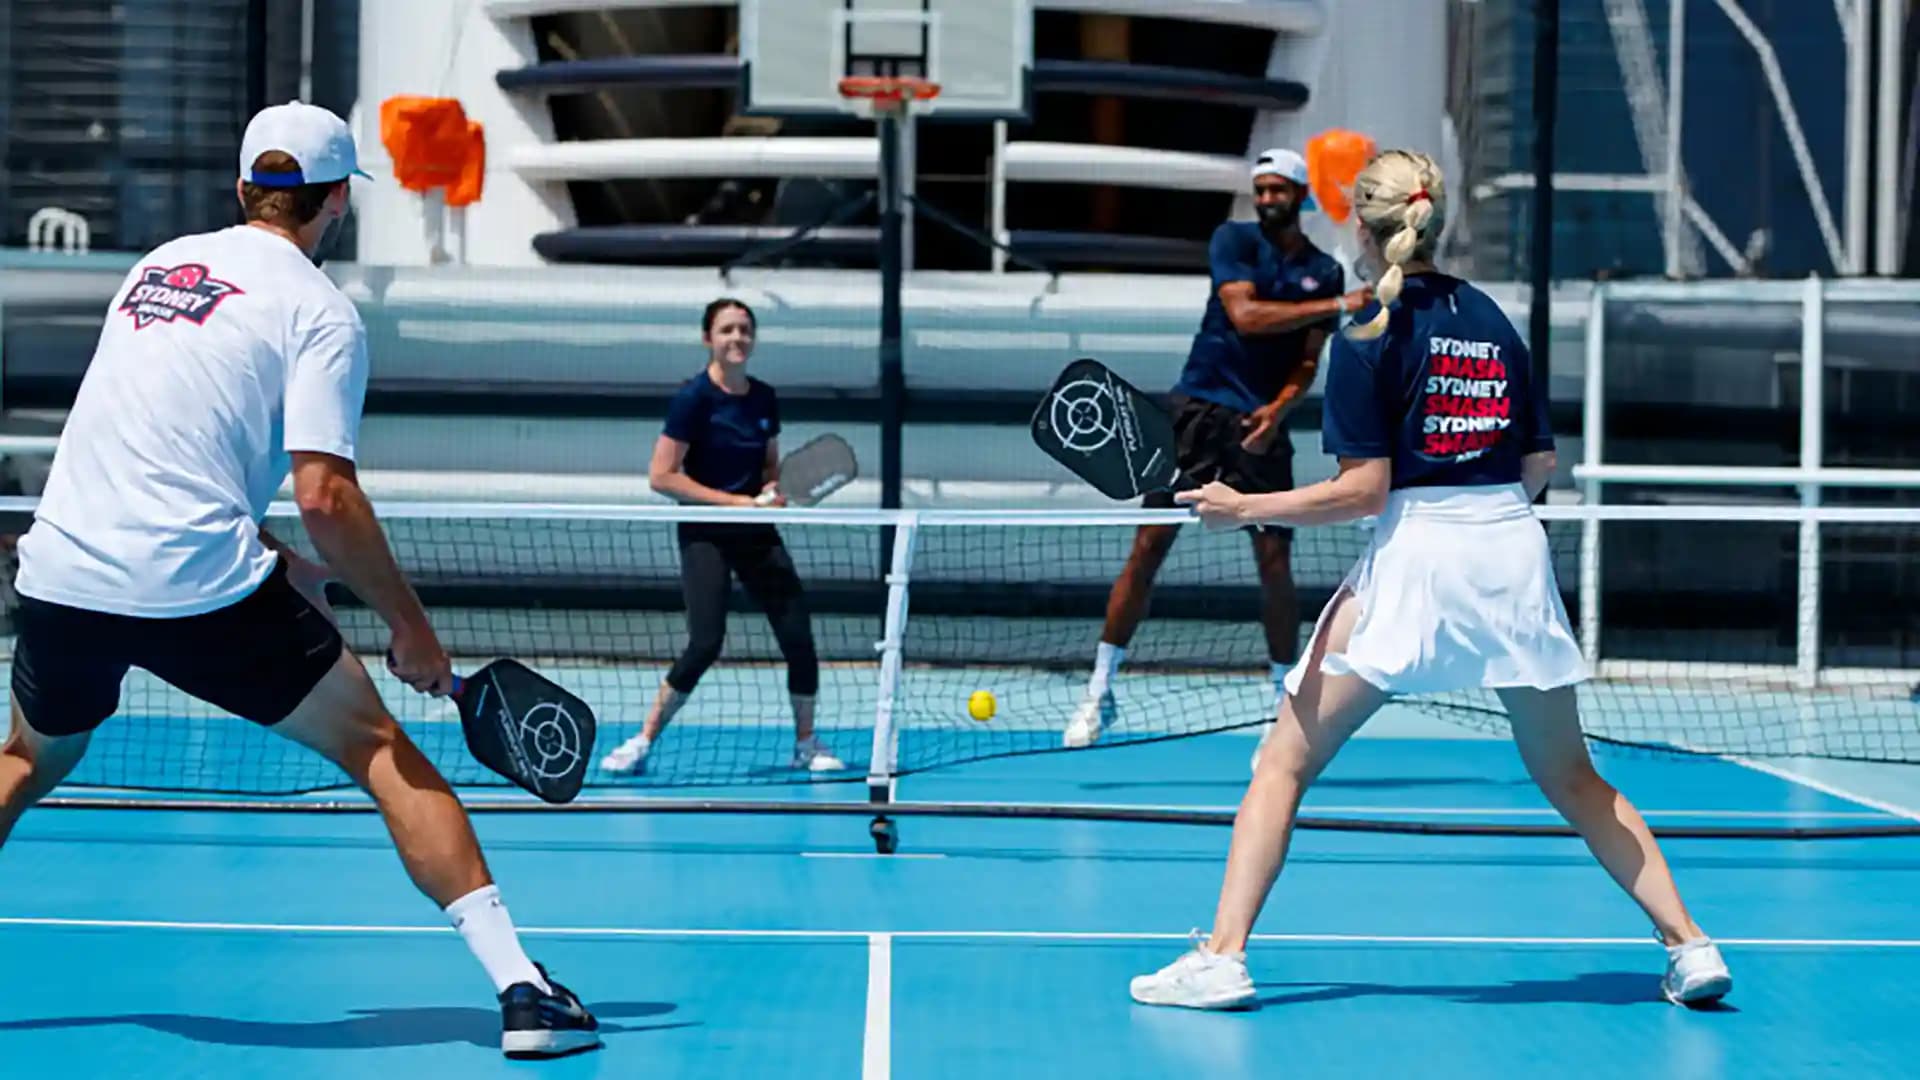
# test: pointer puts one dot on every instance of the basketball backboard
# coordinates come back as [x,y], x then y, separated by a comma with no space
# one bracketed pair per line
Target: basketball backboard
[795,52]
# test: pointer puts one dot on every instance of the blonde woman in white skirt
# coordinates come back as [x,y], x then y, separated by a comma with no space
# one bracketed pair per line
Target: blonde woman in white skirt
[1440,429]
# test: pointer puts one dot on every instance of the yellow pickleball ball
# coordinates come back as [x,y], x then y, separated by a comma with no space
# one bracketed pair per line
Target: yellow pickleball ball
[981,705]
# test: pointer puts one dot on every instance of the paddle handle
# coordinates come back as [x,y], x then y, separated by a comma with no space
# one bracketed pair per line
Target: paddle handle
[459,683]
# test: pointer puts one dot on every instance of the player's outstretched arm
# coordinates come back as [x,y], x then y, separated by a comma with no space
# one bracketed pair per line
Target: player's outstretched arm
[1360,490]
[340,519]
[1252,316]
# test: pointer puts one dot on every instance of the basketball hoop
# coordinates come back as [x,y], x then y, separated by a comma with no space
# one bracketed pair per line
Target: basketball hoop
[887,94]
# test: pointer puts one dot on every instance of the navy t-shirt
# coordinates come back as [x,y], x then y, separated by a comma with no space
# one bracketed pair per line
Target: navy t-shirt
[726,434]
[1245,372]
[1448,392]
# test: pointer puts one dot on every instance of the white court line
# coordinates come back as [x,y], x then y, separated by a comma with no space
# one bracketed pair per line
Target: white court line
[876,1056]
[1547,811]
[1826,788]
[1638,941]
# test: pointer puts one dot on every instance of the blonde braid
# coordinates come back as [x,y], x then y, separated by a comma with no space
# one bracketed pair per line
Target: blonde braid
[1400,198]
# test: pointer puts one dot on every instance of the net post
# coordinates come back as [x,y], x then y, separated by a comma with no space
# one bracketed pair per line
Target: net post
[892,377]
[1812,439]
[881,764]
[1593,415]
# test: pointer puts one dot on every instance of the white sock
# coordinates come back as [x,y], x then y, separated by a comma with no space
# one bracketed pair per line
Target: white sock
[483,920]
[1106,661]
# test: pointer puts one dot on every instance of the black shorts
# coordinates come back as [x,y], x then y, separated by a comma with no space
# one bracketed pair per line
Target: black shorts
[1207,446]
[256,658]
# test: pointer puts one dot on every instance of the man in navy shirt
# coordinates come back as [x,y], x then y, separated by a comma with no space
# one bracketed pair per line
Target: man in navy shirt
[1274,298]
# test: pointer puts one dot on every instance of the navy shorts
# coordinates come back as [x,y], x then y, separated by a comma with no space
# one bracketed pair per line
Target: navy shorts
[257,658]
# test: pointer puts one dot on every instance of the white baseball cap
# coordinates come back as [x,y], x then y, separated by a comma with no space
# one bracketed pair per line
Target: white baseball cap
[319,142]
[1282,163]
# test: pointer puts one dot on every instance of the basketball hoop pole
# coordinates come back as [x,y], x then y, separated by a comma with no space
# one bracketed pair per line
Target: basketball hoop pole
[893,386]
[892,100]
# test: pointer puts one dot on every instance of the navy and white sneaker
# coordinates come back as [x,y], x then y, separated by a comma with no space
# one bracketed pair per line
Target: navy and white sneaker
[539,1025]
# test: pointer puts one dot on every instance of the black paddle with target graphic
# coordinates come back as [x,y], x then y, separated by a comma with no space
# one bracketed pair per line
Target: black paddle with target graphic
[528,729]
[1109,433]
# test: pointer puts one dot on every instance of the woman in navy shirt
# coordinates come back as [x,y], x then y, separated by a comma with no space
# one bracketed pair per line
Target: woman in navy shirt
[721,447]
[1440,428]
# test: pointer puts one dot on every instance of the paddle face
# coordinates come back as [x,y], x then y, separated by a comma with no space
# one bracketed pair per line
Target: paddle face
[817,470]
[526,728]
[1110,434]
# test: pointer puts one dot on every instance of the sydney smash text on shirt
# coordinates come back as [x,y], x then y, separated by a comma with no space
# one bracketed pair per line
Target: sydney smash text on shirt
[1466,406]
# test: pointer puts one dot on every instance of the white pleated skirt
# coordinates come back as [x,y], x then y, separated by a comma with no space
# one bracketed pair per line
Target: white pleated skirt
[1456,592]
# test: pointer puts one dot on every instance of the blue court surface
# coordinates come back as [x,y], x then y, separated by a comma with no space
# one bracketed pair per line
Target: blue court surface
[173,944]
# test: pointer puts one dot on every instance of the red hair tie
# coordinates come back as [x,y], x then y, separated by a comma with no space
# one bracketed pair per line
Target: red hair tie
[1418,196]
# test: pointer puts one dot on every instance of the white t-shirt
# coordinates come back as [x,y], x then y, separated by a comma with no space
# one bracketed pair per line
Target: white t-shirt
[223,352]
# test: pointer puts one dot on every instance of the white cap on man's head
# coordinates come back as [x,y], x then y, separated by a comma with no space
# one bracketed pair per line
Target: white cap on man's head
[319,142]
[1282,163]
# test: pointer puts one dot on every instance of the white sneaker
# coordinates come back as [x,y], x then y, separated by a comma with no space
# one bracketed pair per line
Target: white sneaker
[1092,718]
[628,757]
[1696,975]
[1198,980]
[810,755]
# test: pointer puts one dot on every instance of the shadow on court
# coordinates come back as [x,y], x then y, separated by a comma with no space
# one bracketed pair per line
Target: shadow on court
[1587,988]
[365,1029]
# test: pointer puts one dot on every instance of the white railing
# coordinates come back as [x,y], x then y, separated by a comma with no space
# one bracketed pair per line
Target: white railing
[1810,478]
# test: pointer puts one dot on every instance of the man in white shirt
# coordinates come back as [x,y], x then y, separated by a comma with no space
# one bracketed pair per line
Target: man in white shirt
[227,362]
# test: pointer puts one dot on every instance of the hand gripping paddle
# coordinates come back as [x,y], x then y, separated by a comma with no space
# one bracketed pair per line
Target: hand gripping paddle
[817,470]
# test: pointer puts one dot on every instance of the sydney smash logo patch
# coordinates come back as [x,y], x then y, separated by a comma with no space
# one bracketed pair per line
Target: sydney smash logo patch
[166,294]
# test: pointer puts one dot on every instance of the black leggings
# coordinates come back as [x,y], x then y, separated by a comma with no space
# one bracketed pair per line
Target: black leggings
[709,555]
